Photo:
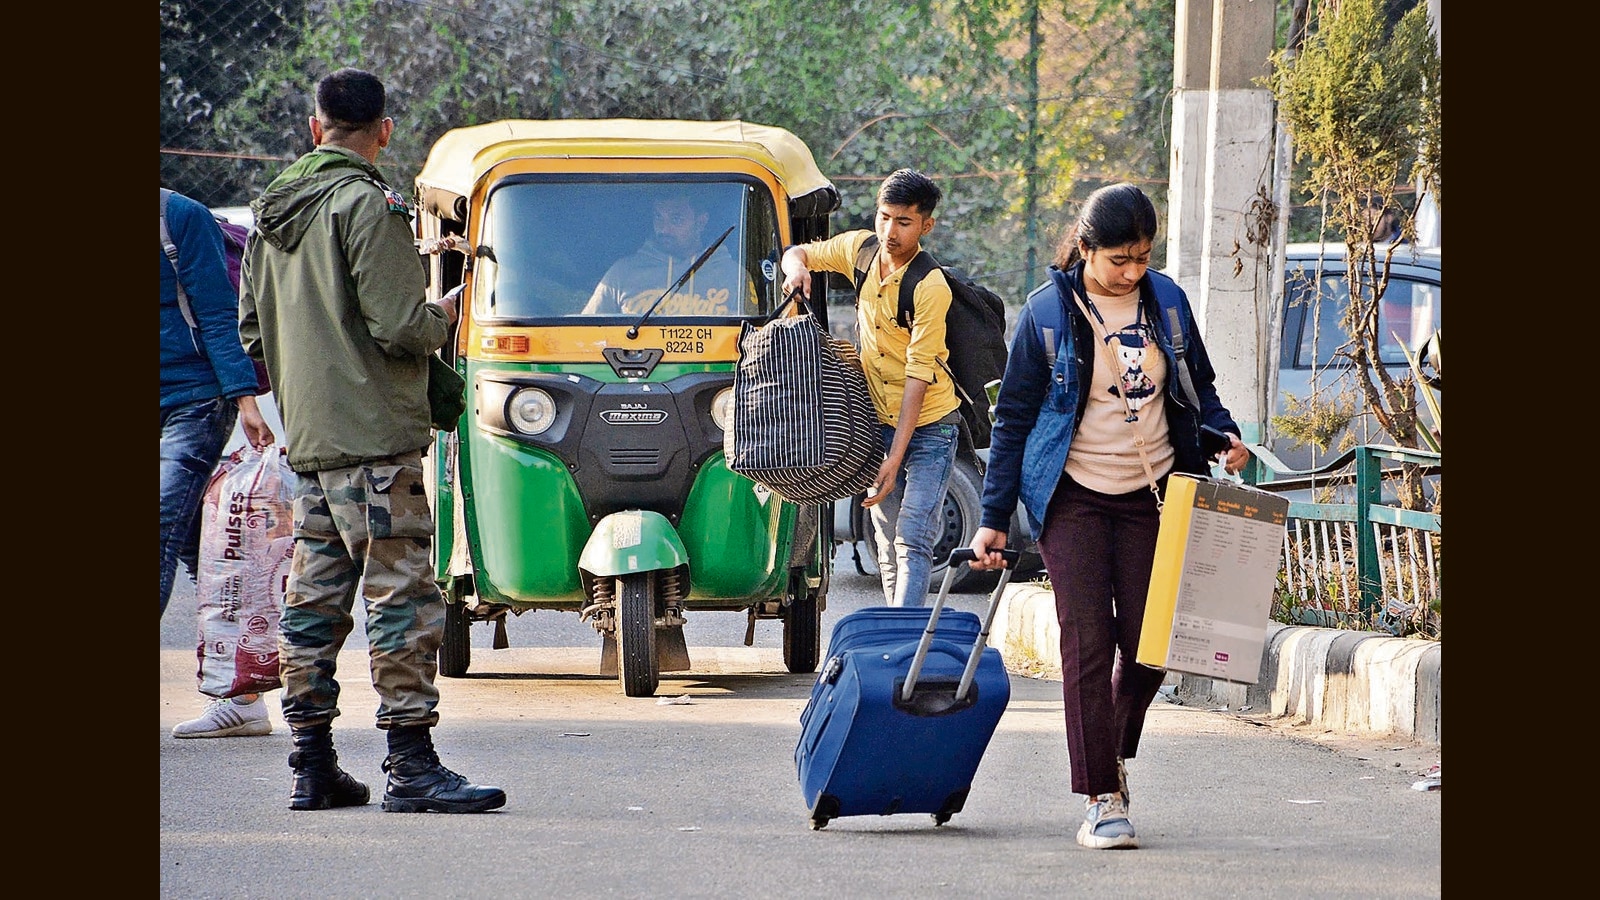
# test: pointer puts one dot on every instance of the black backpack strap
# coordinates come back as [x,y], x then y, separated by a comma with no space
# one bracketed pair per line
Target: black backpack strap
[1184,378]
[906,311]
[916,270]
[864,257]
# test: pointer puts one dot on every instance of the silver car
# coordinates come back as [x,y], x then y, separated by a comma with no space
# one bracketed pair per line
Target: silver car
[1316,296]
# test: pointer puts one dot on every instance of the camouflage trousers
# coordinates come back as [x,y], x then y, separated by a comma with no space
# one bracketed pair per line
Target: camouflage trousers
[363,528]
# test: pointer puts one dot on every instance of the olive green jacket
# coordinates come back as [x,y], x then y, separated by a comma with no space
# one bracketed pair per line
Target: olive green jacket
[332,299]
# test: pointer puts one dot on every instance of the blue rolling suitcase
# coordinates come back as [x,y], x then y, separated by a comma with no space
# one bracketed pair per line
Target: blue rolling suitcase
[903,710]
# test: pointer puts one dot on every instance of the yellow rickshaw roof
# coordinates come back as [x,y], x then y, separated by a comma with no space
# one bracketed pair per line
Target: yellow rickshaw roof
[463,154]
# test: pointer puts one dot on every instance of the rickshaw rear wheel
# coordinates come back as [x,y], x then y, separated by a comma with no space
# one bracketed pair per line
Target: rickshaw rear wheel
[455,651]
[802,629]
[637,667]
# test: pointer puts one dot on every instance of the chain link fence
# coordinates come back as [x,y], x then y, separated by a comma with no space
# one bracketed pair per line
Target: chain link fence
[204,153]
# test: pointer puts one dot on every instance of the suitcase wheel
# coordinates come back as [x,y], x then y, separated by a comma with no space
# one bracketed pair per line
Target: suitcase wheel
[952,805]
[827,807]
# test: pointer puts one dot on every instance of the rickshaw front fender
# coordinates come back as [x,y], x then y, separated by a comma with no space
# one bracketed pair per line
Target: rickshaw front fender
[632,540]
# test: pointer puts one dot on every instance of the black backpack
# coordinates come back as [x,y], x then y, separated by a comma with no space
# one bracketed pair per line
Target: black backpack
[975,332]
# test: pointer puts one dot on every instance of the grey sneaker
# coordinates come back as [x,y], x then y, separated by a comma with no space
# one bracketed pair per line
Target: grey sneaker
[1105,824]
[227,718]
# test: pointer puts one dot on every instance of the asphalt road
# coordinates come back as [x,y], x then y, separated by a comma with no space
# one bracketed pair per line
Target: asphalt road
[694,793]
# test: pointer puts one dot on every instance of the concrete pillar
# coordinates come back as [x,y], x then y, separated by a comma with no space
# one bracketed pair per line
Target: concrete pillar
[1191,81]
[1233,303]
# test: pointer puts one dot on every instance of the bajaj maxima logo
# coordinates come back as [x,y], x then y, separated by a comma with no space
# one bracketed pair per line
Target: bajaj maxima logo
[634,414]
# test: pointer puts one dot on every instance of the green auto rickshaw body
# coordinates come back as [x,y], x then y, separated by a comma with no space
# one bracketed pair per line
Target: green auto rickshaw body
[588,473]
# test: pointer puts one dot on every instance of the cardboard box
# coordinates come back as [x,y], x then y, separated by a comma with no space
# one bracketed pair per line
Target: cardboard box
[1216,565]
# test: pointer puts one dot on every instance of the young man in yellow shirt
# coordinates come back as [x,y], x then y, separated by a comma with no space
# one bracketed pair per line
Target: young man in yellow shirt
[914,396]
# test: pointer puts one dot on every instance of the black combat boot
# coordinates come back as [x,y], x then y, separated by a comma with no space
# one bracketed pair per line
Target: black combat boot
[418,783]
[319,783]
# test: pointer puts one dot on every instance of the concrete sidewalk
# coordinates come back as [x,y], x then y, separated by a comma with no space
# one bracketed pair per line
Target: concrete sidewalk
[1356,682]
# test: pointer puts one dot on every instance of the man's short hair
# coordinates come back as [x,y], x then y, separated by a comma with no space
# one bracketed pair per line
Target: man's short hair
[908,187]
[675,194]
[350,99]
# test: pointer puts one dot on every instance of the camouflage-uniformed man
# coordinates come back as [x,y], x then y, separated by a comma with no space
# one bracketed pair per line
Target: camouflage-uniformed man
[333,301]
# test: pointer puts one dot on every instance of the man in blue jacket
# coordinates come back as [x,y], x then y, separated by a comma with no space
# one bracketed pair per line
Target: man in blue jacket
[207,385]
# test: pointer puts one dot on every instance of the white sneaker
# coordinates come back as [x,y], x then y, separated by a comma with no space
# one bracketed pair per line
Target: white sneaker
[227,718]
[1105,824]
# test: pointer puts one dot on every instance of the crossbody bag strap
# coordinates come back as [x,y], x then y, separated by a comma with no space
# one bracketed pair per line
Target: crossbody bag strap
[1116,379]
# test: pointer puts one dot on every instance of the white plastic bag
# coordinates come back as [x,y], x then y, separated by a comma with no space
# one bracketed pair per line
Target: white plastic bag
[246,546]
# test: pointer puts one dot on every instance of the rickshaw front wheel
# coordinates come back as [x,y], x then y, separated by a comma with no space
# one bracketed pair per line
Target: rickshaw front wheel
[637,666]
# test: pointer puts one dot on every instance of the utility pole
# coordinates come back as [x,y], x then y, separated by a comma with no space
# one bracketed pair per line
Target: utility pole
[1271,324]
[1030,200]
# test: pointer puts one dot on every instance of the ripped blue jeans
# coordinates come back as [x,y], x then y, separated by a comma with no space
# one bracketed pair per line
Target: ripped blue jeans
[908,522]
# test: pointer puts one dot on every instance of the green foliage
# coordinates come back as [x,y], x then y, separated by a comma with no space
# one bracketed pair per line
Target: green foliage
[1360,100]
[939,85]
[1315,420]
[209,50]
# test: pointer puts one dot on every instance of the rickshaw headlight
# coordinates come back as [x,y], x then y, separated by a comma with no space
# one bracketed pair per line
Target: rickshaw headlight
[722,409]
[531,411]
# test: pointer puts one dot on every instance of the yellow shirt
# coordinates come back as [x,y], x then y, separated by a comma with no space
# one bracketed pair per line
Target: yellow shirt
[889,353]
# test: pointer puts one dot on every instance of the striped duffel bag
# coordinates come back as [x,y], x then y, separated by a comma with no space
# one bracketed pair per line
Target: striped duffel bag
[803,422]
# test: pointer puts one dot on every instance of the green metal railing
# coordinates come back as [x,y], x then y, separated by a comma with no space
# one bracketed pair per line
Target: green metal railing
[1362,563]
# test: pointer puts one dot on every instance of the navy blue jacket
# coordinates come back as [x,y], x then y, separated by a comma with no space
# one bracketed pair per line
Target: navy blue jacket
[1040,405]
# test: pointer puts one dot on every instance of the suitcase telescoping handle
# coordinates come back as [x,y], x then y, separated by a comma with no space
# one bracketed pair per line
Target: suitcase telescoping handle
[959,555]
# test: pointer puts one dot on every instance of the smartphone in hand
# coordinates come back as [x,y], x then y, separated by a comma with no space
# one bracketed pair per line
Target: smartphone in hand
[1213,442]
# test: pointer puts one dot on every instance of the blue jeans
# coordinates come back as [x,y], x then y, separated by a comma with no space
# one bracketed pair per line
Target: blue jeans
[192,439]
[908,522]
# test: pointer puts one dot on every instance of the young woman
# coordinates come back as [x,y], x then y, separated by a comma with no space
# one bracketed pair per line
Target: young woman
[1090,420]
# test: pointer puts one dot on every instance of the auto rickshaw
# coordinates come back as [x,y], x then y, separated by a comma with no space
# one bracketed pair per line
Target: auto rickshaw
[606,268]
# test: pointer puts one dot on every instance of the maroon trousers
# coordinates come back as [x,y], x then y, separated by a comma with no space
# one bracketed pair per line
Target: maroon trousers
[1098,549]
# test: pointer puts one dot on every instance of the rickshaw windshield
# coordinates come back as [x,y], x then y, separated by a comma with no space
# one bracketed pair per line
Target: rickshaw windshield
[562,247]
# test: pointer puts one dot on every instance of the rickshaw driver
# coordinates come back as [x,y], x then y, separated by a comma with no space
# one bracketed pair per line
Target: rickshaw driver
[633,283]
